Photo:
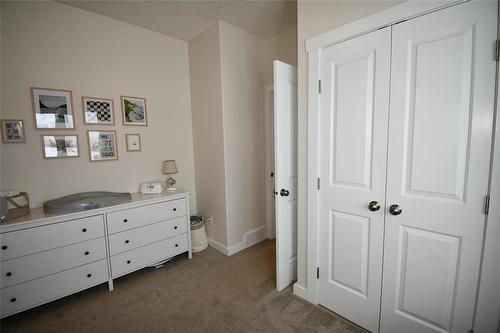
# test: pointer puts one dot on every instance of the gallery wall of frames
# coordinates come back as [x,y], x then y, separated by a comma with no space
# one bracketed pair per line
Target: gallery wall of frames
[53,115]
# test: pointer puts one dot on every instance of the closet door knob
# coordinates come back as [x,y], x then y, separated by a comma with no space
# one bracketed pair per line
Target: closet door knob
[87,253]
[89,275]
[175,227]
[84,230]
[9,274]
[175,209]
[395,210]
[128,261]
[4,247]
[373,206]
[176,245]
[125,220]
[13,299]
[127,241]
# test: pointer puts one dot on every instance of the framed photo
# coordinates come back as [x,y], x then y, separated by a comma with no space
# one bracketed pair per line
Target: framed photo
[52,108]
[133,142]
[13,131]
[98,111]
[58,146]
[134,111]
[102,145]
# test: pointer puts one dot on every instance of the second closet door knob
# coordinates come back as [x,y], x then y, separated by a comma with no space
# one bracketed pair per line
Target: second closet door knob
[373,206]
[395,210]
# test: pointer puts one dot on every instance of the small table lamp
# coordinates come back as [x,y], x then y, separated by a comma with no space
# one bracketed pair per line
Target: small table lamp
[169,167]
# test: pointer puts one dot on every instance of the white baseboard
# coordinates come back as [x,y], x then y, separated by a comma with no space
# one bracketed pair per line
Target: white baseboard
[250,238]
[218,246]
[300,291]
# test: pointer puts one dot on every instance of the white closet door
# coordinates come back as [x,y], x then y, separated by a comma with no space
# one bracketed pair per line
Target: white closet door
[442,92]
[353,136]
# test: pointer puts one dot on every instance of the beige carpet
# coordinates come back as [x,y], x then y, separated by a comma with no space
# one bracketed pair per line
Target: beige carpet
[210,293]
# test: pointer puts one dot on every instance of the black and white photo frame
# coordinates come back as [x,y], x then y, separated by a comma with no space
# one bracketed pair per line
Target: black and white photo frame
[12,131]
[52,108]
[102,145]
[98,111]
[60,146]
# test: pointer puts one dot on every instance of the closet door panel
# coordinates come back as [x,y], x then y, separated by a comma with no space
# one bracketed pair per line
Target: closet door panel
[353,131]
[442,92]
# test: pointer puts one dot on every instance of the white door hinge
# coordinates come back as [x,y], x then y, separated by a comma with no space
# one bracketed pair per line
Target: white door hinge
[319,184]
[497,50]
[319,86]
[486,204]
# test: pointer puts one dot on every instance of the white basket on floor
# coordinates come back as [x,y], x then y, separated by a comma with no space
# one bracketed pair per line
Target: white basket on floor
[199,241]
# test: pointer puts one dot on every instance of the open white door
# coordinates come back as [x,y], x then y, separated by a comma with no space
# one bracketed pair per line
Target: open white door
[285,152]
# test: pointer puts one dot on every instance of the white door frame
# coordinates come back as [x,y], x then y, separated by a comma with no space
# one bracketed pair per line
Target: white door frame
[488,299]
[269,159]
[389,16]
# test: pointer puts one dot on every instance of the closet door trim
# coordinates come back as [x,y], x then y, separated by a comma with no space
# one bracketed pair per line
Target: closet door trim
[387,17]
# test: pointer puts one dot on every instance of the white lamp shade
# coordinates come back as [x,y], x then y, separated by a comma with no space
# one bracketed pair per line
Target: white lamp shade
[169,167]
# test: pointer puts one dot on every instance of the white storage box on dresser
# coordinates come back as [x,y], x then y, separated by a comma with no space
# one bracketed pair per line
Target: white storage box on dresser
[45,257]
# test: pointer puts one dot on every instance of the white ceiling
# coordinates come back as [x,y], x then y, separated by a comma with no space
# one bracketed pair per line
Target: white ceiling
[186,19]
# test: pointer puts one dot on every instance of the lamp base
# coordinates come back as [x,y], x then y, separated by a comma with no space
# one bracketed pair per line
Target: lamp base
[170,184]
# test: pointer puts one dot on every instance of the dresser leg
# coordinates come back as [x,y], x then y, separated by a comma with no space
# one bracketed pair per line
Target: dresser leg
[190,254]
[110,285]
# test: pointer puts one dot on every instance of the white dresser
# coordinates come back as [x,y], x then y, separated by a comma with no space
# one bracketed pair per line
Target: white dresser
[45,257]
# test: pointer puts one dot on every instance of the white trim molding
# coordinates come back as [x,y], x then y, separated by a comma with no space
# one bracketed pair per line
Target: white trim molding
[313,174]
[300,291]
[250,238]
[487,318]
[218,246]
[392,15]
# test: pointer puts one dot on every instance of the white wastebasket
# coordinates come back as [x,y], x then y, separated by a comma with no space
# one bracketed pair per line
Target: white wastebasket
[199,241]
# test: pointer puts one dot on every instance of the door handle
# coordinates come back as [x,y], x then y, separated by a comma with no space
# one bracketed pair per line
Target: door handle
[395,210]
[373,206]
[284,193]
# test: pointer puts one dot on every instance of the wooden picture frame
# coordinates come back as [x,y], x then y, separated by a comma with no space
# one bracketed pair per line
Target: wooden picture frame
[134,111]
[52,108]
[133,142]
[53,147]
[9,134]
[103,145]
[98,111]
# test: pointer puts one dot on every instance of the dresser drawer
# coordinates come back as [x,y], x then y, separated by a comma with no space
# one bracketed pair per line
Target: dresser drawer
[41,264]
[20,243]
[149,254]
[137,217]
[131,239]
[54,286]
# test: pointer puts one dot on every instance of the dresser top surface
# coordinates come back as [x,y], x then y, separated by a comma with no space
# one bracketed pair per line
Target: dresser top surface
[37,215]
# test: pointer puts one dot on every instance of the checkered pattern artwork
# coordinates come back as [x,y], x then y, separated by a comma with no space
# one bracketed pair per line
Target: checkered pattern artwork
[98,111]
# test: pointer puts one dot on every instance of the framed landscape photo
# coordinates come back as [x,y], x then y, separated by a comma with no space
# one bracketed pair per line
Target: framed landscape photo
[134,111]
[13,131]
[52,108]
[59,146]
[98,111]
[102,145]
[133,142]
